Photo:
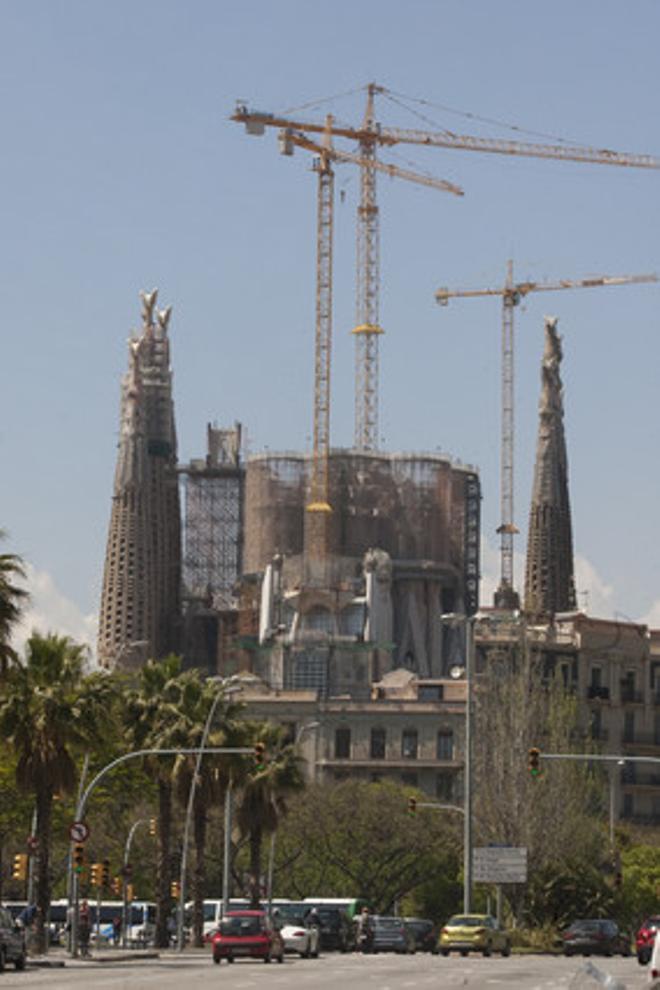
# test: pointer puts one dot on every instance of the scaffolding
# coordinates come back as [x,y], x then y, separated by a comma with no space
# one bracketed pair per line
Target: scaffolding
[213,520]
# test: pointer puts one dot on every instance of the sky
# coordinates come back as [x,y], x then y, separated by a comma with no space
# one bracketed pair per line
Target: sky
[122,171]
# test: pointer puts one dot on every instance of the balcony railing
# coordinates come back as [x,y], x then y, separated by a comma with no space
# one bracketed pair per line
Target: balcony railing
[641,739]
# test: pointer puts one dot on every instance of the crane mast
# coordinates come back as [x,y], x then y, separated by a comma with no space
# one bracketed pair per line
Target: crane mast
[318,507]
[512,293]
[367,329]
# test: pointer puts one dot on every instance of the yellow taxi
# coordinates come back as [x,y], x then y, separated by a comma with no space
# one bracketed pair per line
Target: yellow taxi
[473,933]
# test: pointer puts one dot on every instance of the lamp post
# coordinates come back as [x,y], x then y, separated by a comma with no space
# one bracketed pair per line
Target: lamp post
[227,686]
[467,621]
[305,727]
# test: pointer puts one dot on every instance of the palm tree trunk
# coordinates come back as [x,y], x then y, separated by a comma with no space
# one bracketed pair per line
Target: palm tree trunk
[199,829]
[44,799]
[163,877]
[256,834]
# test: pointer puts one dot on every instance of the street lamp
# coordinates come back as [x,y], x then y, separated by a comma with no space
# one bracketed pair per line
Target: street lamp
[302,729]
[227,686]
[453,618]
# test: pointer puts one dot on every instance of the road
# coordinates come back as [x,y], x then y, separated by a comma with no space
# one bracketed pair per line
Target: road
[331,972]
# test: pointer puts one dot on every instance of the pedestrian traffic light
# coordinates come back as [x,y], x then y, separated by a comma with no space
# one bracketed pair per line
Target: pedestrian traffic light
[175,889]
[115,886]
[78,858]
[533,762]
[259,756]
[19,871]
[129,892]
[412,806]
[105,873]
[96,875]
[152,826]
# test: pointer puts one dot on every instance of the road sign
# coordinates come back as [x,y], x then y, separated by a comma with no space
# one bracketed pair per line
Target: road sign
[500,864]
[79,832]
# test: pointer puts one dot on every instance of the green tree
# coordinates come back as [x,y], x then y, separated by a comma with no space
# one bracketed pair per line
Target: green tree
[264,789]
[50,711]
[357,839]
[12,598]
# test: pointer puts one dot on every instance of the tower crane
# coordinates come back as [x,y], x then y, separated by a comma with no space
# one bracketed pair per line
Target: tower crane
[370,135]
[512,293]
[318,507]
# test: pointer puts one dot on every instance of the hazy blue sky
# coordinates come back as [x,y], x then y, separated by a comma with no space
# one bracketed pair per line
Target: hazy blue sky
[120,171]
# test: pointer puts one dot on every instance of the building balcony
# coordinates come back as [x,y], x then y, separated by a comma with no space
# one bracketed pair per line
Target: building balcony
[631,696]
[396,763]
[646,740]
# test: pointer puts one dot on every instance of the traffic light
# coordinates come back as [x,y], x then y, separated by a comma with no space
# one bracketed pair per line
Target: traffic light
[129,892]
[78,858]
[105,873]
[412,806]
[259,756]
[115,886]
[152,826]
[96,875]
[175,889]
[533,762]
[19,871]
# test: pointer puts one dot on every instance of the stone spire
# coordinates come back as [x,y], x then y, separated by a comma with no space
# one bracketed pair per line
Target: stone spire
[140,603]
[549,583]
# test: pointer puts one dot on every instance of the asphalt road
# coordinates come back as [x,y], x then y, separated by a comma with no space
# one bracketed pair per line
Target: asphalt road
[331,972]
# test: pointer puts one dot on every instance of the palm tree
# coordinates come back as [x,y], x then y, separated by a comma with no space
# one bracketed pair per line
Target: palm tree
[50,711]
[199,702]
[11,599]
[264,790]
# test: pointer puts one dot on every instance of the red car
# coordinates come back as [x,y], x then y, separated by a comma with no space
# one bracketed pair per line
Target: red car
[247,933]
[645,938]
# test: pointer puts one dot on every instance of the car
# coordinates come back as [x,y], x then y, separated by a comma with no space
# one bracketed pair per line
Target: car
[336,930]
[390,934]
[466,933]
[645,938]
[425,933]
[12,941]
[595,936]
[297,930]
[247,933]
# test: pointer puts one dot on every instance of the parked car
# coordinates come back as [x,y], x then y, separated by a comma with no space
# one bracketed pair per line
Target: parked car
[425,933]
[473,933]
[390,935]
[595,936]
[247,933]
[297,929]
[336,930]
[12,941]
[645,938]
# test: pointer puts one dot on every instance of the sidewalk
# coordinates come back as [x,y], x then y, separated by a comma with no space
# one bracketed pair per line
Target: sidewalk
[58,958]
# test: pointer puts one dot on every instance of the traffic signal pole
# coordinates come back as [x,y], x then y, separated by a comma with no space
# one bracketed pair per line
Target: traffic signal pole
[84,797]
[126,880]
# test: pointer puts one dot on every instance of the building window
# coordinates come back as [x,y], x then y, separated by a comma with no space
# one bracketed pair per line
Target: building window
[378,739]
[445,745]
[409,744]
[430,692]
[629,727]
[596,677]
[409,779]
[444,786]
[628,806]
[342,744]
